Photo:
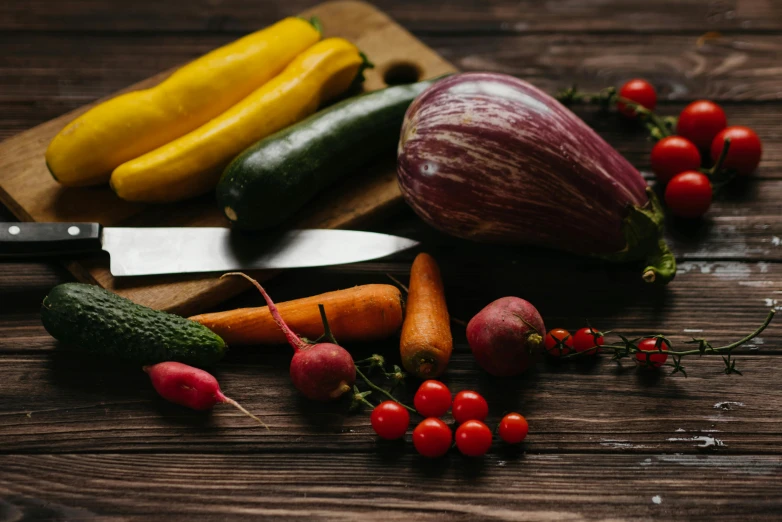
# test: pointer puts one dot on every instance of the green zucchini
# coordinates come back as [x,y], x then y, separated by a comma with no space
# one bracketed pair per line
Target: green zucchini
[99,322]
[277,176]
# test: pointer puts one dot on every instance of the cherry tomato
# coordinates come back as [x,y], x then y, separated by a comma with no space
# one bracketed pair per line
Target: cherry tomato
[639,91]
[700,122]
[672,155]
[432,399]
[689,194]
[390,420]
[586,339]
[469,405]
[744,152]
[473,438]
[558,342]
[432,438]
[656,359]
[513,428]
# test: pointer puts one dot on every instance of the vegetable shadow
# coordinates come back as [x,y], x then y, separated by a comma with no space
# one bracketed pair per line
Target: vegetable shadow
[74,370]
[101,381]
[507,394]
[69,203]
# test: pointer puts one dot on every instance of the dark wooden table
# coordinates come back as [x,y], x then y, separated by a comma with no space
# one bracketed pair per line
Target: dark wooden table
[80,440]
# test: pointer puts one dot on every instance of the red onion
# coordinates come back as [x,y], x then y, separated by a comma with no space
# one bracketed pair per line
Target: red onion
[491,158]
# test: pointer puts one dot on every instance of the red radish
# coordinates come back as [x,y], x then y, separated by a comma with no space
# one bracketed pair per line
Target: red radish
[321,371]
[506,336]
[191,387]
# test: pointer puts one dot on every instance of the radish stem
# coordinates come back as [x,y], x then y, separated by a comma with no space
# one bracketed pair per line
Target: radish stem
[293,339]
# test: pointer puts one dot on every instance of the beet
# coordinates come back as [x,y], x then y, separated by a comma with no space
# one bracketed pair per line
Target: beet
[506,336]
[321,371]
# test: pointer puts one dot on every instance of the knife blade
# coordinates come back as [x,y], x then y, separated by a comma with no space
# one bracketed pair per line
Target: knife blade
[170,250]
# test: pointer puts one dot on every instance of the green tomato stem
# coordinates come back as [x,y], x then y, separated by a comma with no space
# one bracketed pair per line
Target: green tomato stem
[721,159]
[380,390]
[628,350]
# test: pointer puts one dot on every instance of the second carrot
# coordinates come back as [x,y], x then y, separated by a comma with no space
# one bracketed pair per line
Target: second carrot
[426,342]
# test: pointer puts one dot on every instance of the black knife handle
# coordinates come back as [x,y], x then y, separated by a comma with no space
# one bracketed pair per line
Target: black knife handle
[42,239]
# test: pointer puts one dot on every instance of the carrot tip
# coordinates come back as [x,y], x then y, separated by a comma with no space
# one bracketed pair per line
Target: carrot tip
[423,365]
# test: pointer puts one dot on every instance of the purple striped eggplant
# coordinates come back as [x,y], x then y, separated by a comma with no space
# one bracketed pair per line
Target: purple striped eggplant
[491,158]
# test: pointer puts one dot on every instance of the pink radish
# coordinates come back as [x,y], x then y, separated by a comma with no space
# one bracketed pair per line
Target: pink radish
[191,387]
[321,371]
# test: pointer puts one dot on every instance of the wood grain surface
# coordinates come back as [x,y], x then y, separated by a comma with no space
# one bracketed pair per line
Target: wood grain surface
[305,487]
[29,191]
[84,439]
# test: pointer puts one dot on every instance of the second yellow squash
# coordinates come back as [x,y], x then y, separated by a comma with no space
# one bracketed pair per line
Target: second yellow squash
[192,164]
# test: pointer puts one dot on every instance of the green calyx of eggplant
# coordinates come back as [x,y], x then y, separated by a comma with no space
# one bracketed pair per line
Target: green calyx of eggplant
[643,230]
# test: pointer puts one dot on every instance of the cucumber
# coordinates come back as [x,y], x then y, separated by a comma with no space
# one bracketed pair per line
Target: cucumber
[100,322]
[277,176]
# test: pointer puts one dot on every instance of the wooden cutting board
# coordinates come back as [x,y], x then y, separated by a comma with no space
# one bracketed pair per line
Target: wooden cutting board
[28,190]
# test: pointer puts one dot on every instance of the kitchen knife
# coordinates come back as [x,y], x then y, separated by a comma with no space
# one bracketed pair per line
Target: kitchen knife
[148,251]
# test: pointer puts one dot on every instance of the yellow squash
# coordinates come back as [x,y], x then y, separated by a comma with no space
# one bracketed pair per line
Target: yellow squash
[90,147]
[191,165]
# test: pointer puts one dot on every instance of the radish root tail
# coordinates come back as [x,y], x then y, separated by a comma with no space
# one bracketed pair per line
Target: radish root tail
[228,400]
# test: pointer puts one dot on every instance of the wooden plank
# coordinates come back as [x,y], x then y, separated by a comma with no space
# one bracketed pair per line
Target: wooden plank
[60,405]
[28,190]
[455,16]
[732,67]
[45,75]
[511,487]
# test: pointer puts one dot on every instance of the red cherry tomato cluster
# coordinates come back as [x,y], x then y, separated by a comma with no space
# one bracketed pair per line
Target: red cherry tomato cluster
[432,437]
[701,131]
[559,342]
[587,340]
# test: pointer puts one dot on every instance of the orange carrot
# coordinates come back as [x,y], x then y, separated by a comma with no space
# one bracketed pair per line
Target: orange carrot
[361,313]
[426,342]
